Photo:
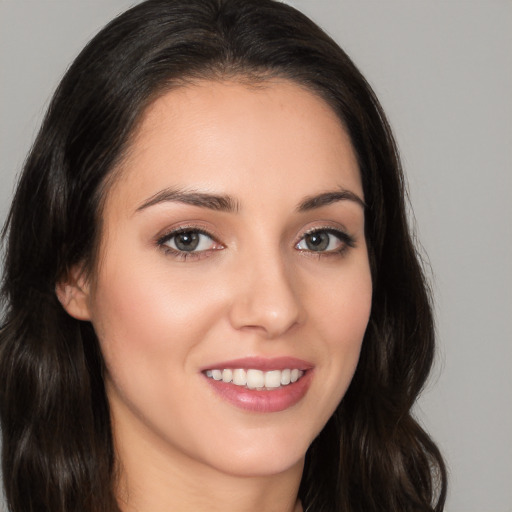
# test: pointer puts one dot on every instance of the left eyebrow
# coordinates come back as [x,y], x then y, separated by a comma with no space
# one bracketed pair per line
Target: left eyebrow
[312,202]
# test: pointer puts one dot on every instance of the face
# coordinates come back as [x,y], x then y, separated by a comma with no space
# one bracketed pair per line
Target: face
[233,288]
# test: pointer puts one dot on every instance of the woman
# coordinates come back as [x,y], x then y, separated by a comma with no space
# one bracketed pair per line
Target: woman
[212,297]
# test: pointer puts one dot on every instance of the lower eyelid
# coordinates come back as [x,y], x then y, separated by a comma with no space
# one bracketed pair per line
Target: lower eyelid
[184,256]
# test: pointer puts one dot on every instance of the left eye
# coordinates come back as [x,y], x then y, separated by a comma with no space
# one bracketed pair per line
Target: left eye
[190,241]
[323,241]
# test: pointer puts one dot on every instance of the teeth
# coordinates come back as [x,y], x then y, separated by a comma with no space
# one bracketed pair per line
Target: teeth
[257,379]
[239,377]
[273,379]
[227,375]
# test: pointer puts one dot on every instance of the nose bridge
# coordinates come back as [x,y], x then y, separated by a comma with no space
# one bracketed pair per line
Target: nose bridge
[267,297]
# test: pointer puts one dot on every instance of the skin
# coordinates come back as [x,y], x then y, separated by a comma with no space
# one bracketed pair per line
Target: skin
[254,289]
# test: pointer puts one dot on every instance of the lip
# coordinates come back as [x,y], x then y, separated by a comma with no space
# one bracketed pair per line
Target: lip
[264,401]
[261,363]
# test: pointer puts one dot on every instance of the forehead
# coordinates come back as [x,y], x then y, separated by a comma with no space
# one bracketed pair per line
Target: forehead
[274,137]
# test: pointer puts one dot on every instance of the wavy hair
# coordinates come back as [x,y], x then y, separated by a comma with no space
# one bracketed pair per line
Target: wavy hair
[58,451]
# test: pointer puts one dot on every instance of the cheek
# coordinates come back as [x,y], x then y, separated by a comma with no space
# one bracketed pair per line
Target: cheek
[142,318]
[342,317]
[349,313]
[150,332]
[343,307]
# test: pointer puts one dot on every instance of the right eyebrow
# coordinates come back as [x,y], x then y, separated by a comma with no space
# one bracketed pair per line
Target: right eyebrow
[215,202]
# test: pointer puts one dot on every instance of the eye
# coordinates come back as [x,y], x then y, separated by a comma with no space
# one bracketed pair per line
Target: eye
[188,241]
[325,240]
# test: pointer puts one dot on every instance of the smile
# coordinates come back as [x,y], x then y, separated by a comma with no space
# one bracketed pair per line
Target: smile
[256,379]
[260,385]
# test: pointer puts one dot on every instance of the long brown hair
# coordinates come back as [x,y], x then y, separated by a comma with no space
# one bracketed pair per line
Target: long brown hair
[57,442]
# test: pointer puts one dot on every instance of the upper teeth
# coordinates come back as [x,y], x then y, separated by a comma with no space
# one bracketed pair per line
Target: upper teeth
[257,379]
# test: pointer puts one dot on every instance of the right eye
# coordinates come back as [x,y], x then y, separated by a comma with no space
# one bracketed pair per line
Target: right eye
[188,243]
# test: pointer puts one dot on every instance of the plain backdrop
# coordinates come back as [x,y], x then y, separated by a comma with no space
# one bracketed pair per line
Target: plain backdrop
[443,72]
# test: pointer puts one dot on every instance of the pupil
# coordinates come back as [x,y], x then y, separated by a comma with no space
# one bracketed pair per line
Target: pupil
[317,241]
[187,241]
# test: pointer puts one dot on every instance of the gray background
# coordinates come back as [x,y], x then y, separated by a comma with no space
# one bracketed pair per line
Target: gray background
[442,69]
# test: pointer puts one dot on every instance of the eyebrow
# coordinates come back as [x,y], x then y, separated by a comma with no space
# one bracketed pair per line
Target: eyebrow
[223,203]
[327,198]
[226,203]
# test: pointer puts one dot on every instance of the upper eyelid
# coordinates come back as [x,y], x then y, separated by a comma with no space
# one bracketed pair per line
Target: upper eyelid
[324,228]
[329,229]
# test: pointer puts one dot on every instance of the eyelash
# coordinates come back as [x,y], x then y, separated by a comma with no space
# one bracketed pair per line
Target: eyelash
[346,240]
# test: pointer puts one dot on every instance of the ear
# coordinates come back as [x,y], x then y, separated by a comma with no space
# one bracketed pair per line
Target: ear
[73,293]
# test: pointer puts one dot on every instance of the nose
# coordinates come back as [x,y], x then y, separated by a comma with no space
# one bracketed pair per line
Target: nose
[266,299]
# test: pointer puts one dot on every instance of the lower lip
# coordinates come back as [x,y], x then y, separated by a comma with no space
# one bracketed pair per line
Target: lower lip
[273,400]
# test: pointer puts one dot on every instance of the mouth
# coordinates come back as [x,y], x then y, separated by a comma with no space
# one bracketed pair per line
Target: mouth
[256,379]
[261,385]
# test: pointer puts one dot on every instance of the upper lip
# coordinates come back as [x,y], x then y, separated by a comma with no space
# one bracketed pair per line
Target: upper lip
[262,363]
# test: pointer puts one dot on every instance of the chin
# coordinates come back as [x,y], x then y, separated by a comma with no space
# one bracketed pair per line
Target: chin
[263,456]
[261,466]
